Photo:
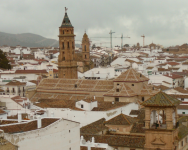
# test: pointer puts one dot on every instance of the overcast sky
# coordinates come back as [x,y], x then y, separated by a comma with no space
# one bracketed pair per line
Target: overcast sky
[161,21]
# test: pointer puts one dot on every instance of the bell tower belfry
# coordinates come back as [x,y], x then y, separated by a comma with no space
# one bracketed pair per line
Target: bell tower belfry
[161,122]
[67,66]
[85,49]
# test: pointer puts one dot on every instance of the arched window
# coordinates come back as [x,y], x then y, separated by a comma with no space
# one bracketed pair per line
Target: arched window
[63,45]
[67,44]
[85,47]
[85,56]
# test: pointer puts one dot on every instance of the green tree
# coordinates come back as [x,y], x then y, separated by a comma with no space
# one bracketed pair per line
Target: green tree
[4,63]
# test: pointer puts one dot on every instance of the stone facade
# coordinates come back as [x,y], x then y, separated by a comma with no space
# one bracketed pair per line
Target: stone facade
[67,65]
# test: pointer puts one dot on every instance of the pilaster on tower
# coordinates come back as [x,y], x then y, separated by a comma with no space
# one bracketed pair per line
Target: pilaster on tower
[67,66]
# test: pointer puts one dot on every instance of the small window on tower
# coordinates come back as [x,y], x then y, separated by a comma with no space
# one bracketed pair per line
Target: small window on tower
[67,44]
[85,56]
[117,90]
[85,47]
[143,99]
[63,31]
[63,45]
[75,85]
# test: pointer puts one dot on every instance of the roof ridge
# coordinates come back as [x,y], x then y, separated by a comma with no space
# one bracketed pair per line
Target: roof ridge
[135,75]
[166,97]
[126,118]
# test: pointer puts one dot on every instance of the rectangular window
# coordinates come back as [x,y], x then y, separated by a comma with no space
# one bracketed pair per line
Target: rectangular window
[182,99]
[63,45]
[143,99]
[67,44]
[75,85]
[132,84]
[117,99]
[117,90]
[82,106]
[181,143]
[183,112]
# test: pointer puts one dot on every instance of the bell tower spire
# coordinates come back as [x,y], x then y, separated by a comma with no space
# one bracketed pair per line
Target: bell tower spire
[67,66]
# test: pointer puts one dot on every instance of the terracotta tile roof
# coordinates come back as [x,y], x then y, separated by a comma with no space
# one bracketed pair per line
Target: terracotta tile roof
[2,112]
[148,90]
[173,63]
[183,107]
[124,91]
[185,63]
[24,127]
[34,81]
[82,85]
[183,131]
[104,106]
[121,119]
[149,67]
[119,140]
[174,76]
[16,83]
[2,90]
[162,87]
[134,112]
[131,75]
[92,148]
[178,96]
[181,90]
[3,122]
[138,128]
[30,71]
[94,128]
[161,99]
[51,103]
[66,96]
[163,69]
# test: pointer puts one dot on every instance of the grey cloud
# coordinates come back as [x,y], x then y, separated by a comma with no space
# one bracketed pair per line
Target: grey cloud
[163,22]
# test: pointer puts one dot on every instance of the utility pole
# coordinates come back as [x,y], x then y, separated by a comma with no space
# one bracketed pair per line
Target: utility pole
[111,38]
[143,38]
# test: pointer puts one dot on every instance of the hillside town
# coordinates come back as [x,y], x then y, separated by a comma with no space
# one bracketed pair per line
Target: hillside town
[94,97]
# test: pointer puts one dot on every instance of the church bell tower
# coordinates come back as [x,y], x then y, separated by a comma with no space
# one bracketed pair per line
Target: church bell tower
[85,49]
[67,66]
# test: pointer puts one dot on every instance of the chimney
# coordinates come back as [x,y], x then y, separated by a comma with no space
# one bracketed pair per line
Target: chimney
[93,140]
[39,122]
[19,117]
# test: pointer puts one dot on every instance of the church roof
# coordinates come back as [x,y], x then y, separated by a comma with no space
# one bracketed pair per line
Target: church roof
[131,75]
[124,91]
[121,120]
[66,21]
[161,99]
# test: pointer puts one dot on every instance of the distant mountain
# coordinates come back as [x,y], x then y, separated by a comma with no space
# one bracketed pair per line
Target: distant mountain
[26,40]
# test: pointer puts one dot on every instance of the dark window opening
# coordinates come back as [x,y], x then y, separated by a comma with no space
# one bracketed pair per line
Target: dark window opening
[63,58]
[72,45]
[85,47]
[82,106]
[143,99]
[63,52]
[140,75]
[117,90]
[117,99]
[69,131]
[182,99]
[63,31]
[132,84]
[118,84]
[67,44]
[75,85]
[85,56]
[153,88]
[63,45]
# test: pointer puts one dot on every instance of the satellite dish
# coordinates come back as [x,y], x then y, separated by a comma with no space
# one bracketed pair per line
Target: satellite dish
[83,141]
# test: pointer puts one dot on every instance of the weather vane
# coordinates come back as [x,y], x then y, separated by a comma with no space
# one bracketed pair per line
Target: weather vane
[66,9]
